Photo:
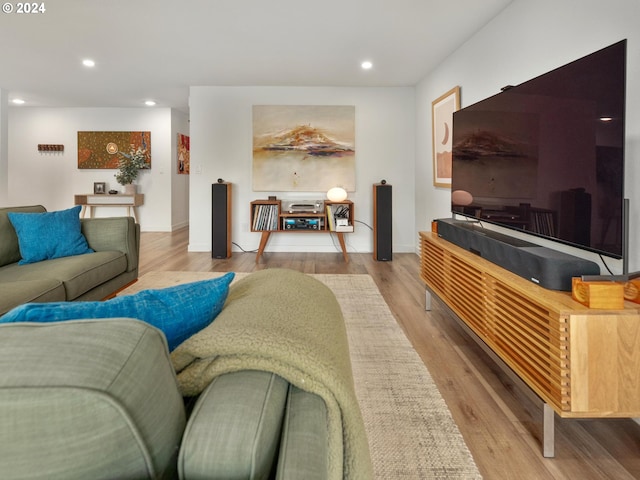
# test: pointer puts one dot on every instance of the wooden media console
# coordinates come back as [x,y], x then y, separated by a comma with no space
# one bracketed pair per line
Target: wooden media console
[582,363]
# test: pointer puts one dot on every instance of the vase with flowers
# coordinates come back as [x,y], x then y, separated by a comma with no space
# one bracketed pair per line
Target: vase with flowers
[129,166]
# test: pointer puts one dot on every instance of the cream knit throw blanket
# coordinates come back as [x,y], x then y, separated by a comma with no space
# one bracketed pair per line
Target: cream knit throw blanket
[288,323]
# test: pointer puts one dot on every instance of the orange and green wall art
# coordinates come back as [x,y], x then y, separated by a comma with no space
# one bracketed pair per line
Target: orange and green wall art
[103,150]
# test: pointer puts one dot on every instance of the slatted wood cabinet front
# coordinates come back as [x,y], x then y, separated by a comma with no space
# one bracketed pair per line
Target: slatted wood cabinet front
[584,363]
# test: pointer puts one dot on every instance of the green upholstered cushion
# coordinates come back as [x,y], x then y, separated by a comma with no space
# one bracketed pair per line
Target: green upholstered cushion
[42,236]
[304,449]
[15,293]
[234,429]
[121,234]
[78,273]
[87,399]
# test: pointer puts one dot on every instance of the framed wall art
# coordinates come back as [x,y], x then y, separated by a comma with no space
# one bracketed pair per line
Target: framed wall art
[442,110]
[183,154]
[103,150]
[303,148]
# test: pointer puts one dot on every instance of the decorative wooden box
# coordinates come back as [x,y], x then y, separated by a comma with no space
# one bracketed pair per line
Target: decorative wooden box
[598,294]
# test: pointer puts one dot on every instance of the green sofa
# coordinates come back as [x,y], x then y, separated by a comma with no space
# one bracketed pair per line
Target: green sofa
[92,276]
[98,399]
[101,399]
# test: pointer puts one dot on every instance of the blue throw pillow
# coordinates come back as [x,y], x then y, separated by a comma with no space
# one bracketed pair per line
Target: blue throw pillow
[42,236]
[178,311]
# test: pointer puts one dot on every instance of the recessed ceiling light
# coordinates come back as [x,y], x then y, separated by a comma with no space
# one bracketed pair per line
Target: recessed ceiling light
[606,119]
[18,101]
[366,65]
[149,103]
[88,62]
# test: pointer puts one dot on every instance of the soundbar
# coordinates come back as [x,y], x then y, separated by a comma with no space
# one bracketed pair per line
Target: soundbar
[544,266]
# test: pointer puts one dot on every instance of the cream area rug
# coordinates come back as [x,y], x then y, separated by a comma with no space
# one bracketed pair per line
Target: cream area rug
[410,430]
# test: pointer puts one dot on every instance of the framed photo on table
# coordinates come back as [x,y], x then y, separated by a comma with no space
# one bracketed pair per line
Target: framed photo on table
[442,110]
[99,187]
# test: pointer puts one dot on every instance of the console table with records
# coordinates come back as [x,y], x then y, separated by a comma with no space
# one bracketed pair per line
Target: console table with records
[301,216]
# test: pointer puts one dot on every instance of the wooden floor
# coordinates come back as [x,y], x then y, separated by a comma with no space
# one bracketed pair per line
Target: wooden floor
[501,425]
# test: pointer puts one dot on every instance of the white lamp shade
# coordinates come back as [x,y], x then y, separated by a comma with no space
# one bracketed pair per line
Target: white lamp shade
[337,194]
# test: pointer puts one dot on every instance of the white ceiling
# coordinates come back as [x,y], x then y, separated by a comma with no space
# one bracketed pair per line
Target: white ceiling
[156,49]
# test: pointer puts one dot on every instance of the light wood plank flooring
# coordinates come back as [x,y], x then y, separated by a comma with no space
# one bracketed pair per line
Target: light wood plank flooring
[501,425]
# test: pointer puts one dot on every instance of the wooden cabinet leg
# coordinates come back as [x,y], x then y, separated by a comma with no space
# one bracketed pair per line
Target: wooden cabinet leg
[548,432]
[263,243]
[343,246]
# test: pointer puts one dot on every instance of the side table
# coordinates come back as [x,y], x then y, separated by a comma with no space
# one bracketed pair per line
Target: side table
[90,201]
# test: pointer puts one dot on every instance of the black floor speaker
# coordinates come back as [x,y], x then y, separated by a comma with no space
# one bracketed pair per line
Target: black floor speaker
[382,232]
[221,220]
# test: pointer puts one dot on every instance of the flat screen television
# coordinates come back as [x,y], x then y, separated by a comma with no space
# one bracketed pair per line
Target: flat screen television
[547,156]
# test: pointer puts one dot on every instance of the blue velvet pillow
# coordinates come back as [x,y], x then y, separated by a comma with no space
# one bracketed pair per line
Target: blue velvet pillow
[178,311]
[42,236]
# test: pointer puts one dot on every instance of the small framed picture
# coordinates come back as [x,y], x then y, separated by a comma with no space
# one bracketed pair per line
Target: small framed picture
[442,110]
[99,187]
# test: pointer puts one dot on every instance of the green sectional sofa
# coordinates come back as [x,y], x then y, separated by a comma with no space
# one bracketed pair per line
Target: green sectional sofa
[92,276]
[265,391]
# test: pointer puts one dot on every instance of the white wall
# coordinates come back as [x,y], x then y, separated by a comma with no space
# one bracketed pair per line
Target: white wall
[528,39]
[221,147]
[52,179]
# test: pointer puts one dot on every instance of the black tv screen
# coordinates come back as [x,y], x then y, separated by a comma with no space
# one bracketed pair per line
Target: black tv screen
[547,156]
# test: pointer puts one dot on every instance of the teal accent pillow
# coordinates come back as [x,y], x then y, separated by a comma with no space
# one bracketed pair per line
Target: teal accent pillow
[43,236]
[178,311]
